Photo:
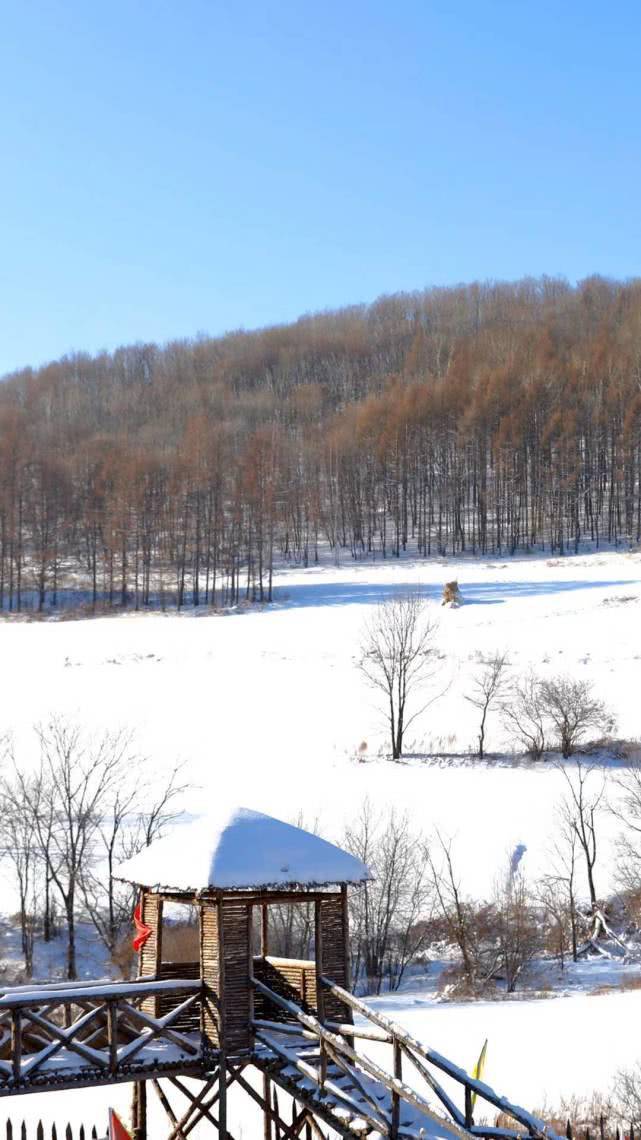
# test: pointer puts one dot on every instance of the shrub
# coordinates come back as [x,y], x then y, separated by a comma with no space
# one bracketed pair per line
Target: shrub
[573,709]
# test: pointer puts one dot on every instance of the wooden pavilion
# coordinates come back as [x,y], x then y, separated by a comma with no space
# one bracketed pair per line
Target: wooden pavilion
[232,866]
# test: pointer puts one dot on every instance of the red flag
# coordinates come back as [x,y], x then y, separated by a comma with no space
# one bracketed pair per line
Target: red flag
[142,930]
[117,1130]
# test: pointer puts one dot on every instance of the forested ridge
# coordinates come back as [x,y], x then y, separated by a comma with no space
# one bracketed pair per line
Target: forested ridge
[487,419]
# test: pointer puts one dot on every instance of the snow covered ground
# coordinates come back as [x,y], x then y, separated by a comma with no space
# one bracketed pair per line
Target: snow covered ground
[269,704]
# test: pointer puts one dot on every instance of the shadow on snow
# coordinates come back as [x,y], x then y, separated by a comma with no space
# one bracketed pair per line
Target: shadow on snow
[474,593]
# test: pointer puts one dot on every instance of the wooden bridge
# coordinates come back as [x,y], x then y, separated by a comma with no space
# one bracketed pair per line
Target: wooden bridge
[80,1036]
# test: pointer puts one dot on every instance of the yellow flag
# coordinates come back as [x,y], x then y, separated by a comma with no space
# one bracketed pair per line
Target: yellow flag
[477,1071]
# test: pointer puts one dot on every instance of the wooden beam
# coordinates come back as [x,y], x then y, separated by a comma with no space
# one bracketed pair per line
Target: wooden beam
[177,1083]
[289,1132]
[197,1109]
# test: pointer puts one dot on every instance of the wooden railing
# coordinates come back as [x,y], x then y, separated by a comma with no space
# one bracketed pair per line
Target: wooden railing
[71,1034]
[410,1060]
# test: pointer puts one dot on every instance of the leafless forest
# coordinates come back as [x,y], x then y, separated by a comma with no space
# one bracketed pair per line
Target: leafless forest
[487,419]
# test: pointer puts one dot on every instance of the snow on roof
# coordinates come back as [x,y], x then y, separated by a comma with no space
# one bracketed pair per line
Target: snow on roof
[238,847]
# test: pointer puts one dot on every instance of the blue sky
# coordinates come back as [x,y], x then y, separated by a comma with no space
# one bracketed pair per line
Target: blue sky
[170,168]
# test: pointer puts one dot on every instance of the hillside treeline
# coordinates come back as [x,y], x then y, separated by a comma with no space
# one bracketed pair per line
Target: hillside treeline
[487,419]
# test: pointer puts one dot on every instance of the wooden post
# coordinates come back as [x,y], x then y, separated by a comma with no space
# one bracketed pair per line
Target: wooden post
[469,1115]
[348,965]
[250,962]
[139,1111]
[323,1065]
[16,1043]
[318,956]
[396,1100]
[267,1111]
[277,1116]
[112,1035]
[264,931]
[222,1097]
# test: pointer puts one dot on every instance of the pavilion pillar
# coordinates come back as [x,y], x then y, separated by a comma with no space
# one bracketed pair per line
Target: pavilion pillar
[151,952]
[332,936]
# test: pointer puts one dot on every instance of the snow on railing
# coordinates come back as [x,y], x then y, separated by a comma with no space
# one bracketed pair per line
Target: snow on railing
[78,1033]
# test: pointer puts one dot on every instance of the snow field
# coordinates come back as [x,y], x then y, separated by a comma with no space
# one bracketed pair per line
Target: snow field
[269,706]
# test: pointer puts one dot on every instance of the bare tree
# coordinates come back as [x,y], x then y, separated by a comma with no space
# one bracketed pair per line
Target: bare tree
[16,837]
[64,802]
[133,815]
[386,914]
[465,924]
[628,810]
[557,890]
[487,687]
[524,714]
[573,709]
[399,658]
[626,1092]
[584,805]
[517,926]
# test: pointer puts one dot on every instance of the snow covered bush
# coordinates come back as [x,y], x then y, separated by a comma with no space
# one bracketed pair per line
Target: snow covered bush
[572,709]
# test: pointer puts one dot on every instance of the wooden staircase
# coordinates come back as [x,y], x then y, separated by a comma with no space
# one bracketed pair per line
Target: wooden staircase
[351,1103]
[337,1084]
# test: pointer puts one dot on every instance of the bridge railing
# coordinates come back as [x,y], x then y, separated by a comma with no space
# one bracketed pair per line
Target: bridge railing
[73,1034]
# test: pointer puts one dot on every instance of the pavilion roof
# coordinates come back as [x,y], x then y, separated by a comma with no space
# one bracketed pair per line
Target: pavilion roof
[238,848]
